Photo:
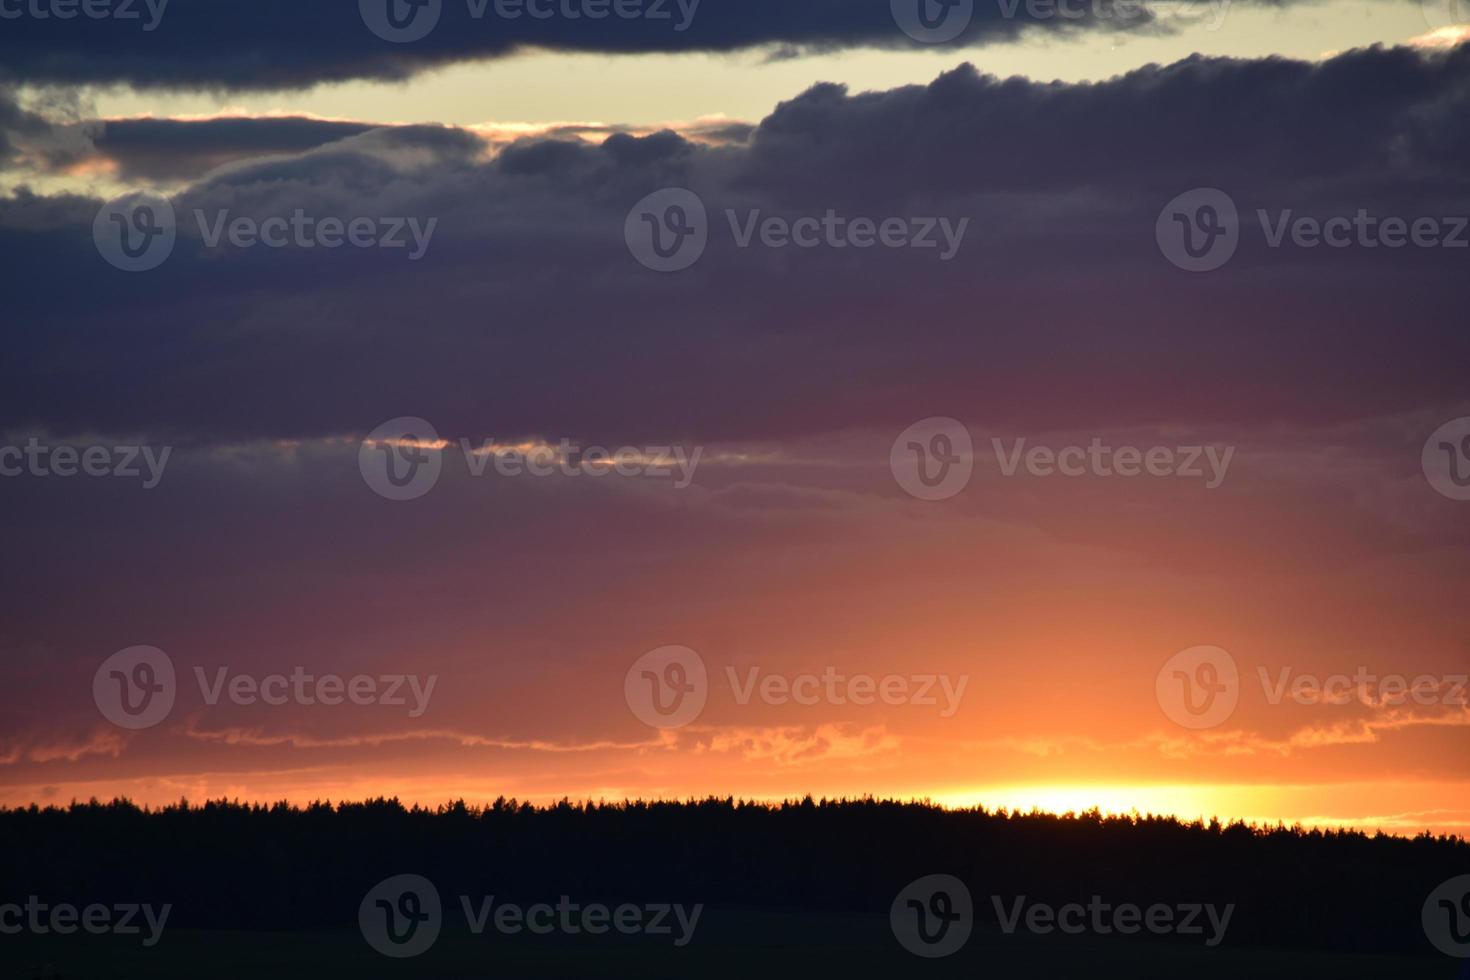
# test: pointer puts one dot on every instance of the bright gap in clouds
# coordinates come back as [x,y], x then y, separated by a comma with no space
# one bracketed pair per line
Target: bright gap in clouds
[653,89]
[1403,808]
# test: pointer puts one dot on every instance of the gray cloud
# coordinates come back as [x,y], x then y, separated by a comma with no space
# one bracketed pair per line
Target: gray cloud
[282,44]
[529,315]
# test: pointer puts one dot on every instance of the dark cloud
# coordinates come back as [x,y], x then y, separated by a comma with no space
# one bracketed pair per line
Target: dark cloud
[165,151]
[44,132]
[168,149]
[12,118]
[1388,111]
[279,44]
[528,315]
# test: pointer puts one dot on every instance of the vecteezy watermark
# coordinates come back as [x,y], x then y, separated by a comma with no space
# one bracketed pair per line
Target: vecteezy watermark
[1199,230]
[572,919]
[933,459]
[833,230]
[668,231]
[405,21]
[831,687]
[1122,13]
[1363,230]
[1102,918]
[136,688]
[669,687]
[1363,686]
[1199,687]
[402,459]
[401,21]
[933,916]
[63,919]
[119,10]
[123,462]
[1098,459]
[1446,917]
[1446,14]
[402,916]
[138,232]
[1446,459]
[302,230]
[932,21]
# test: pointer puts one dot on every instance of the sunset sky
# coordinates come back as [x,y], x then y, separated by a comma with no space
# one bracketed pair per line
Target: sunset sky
[1328,545]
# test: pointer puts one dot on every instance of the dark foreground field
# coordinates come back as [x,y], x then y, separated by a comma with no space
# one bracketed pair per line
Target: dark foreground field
[732,943]
[805,889]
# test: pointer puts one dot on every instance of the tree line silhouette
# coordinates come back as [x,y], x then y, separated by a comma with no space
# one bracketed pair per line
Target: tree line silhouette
[228,865]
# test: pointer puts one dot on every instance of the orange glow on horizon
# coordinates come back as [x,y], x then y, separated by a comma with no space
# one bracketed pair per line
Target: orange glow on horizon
[1311,807]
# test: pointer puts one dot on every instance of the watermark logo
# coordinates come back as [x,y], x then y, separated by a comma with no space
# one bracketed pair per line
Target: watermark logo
[120,10]
[933,459]
[1446,459]
[1121,12]
[573,919]
[64,919]
[1209,464]
[1447,917]
[1103,918]
[401,916]
[401,459]
[942,691]
[838,231]
[668,230]
[932,21]
[1363,230]
[405,21]
[933,916]
[667,687]
[136,232]
[1446,14]
[304,231]
[135,688]
[401,21]
[42,461]
[301,687]
[1199,230]
[1199,688]
[1364,687]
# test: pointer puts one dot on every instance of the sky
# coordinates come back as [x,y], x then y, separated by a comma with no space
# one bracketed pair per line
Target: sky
[767,399]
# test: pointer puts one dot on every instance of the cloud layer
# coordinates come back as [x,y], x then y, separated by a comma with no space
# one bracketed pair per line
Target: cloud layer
[527,315]
[281,44]
[1058,319]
